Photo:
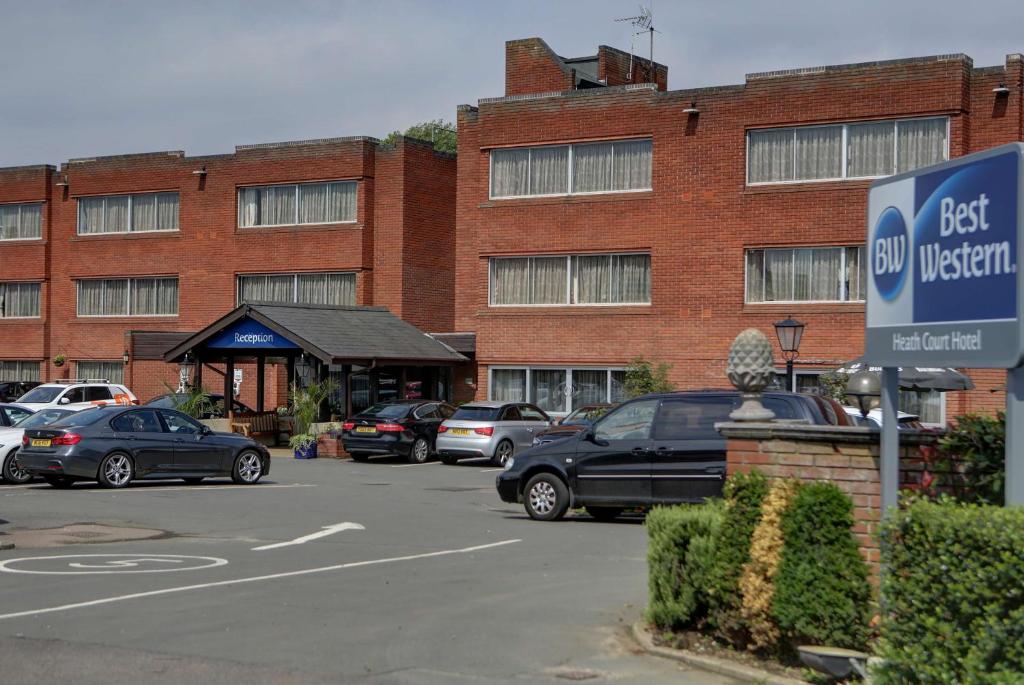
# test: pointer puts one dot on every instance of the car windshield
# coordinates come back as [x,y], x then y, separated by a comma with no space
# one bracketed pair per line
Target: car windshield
[81,418]
[43,418]
[584,416]
[385,411]
[471,413]
[42,394]
[164,402]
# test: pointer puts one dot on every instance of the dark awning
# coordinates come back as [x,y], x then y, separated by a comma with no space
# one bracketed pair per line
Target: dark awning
[335,335]
[918,377]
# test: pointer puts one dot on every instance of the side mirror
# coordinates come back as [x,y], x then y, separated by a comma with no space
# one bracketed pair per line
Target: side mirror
[205,430]
[64,400]
[590,436]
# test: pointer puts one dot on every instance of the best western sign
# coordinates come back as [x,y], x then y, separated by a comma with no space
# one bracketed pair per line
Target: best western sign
[944,248]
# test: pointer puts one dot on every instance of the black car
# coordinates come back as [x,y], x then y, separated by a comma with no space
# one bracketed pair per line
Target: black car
[116,445]
[655,449]
[573,423]
[216,404]
[10,391]
[404,427]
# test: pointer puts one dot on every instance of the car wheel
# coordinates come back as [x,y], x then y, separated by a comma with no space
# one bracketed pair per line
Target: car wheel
[116,471]
[192,481]
[502,453]
[248,468]
[11,472]
[546,497]
[420,452]
[449,459]
[59,482]
[359,456]
[604,513]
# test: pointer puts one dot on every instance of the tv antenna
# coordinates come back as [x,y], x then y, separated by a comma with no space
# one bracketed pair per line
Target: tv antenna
[642,23]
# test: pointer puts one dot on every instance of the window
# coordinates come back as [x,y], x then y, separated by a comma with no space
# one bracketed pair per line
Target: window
[630,422]
[692,418]
[311,288]
[19,371]
[21,222]
[19,300]
[570,169]
[142,421]
[806,274]
[557,390]
[290,205]
[128,297]
[179,423]
[140,213]
[109,371]
[840,151]
[576,280]
[929,405]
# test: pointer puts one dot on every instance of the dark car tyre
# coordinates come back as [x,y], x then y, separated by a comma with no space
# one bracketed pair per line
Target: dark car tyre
[192,481]
[11,472]
[248,468]
[502,453]
[420,452]
[546,497]
[59,482]
[116,471]
[604,513]
[449,459]
[359,456]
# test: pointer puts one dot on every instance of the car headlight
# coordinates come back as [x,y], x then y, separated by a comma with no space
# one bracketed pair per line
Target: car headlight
[510,463]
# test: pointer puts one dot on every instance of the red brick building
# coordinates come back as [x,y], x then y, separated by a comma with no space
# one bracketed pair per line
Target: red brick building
[601,218]
[116,258]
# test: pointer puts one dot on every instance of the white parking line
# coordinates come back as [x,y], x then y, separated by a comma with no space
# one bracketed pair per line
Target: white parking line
[200,488]
[253,579]
[405,466]
[500,468]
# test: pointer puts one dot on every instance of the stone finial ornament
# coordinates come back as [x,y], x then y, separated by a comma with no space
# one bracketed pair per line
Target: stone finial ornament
[751,368]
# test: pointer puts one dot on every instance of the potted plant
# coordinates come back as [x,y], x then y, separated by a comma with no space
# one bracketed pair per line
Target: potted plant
[306,403]
[60,360]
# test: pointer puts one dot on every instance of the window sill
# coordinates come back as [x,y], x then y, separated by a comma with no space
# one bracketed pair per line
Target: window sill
[122,319]
[859,184]
[585,198]
[259,230]
[804,307]
[20,319]
[21,241]
[131,235]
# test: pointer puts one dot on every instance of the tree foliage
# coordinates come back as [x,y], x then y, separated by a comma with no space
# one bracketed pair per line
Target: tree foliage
[642,377]
[437,131]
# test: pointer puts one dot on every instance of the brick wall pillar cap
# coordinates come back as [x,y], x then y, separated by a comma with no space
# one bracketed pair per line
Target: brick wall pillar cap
[801,432]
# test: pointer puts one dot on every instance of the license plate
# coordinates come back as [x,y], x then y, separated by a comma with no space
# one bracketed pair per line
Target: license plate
[40,443]
[365,429]
[460,431]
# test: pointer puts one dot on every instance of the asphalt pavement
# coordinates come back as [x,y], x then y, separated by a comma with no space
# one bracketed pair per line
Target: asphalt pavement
[327,571]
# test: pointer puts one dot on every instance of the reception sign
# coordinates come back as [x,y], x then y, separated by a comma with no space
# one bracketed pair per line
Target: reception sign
[247,334]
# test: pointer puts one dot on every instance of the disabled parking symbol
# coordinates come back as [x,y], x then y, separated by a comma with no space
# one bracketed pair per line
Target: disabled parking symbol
[94,564]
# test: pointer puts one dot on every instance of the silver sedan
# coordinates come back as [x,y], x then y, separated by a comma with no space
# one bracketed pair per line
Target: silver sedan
[496,430]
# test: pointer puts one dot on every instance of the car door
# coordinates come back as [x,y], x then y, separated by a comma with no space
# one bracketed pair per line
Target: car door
[194,451]
[142,435]
[688,463]
[511,425]
[73,398]
[426,420]
[98,395]
[613,459]
[534,421]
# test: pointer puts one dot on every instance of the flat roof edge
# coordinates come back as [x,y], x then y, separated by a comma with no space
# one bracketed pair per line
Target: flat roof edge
[586,92]
[829,68]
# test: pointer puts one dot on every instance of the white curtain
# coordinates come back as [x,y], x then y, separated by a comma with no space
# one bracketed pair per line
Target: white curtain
[19,371]
[549,170]
[925,404]
[19,300]
[155,296]
[248,207]
[755,275]
[90,298]
[115,214]
[778,275]
[144,212]
[343,198]
[115,297]
[267,288]
[632,165]
[770,156]
[589,386]
[618,386]
[819,152]
[332,289]
[508,385]
[593,279]
[548,280]
[818,274]
[112,371]
[510,175]
[31,221]
[510,281]
[592,168]
[547,389]
[856,274]
[277,206]
[90,215]
[869,149]
[167,211]
[9,224]
[631,278]
[920,143]
[324,203]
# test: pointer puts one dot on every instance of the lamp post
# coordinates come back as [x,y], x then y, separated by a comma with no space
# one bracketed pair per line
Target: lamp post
[789,331]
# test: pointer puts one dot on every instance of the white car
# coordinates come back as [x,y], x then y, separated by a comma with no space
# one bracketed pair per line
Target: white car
[10,441]
[76,395]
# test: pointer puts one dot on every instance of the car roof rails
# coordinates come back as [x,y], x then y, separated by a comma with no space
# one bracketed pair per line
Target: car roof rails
[72,381]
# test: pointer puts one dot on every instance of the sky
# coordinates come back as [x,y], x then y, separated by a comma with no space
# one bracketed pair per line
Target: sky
[101,77]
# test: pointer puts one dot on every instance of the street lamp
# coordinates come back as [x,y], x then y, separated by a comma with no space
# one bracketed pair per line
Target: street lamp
[865,388]
[790,331]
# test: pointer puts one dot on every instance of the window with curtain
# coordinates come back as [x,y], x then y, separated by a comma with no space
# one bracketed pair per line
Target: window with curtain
[111,371]
[138,213]
[11,370]
[929,405]
[840,151]
[21,221]
[301,288]
[157,296]
[573,279]
[557,390]
[567,169]
[19,300]
[806,274]
[508,385]
[297,204]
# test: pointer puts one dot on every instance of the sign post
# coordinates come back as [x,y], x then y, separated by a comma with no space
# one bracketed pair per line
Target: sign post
[944,245]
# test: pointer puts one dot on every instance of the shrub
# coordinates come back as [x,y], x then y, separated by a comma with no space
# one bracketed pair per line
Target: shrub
[680,554]
[822,594]
[642,378]
[953,594]
[744,494]
[972,458]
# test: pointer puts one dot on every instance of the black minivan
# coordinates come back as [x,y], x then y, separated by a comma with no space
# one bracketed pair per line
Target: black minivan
[655,449]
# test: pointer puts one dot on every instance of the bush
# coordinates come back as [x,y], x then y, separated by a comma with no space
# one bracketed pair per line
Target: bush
[744,494]
[822,594]
[972,458]
[954,595]
[643,378]
[680,554]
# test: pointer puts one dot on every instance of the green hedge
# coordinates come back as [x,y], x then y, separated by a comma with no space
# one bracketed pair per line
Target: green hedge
[679,558]
[954,595]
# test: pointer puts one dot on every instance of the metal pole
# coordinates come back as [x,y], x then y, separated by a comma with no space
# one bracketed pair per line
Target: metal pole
[1015,436]
[790,379]
[890,457]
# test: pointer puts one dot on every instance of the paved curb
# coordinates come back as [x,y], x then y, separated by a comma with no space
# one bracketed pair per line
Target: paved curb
[710,663]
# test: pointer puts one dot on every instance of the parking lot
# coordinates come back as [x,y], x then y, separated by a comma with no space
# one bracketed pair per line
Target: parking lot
[327,571]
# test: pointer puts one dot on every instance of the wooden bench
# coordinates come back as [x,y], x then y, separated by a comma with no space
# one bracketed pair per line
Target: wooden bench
[257,425]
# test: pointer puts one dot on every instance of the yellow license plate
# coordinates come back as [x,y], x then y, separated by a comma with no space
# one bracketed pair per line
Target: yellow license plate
[460,431]
[365,429]
[40,443]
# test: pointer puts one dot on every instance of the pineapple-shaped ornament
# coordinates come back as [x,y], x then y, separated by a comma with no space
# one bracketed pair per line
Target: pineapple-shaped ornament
[751,368]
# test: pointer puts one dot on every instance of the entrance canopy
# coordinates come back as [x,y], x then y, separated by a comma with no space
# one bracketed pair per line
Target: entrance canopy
[918,377]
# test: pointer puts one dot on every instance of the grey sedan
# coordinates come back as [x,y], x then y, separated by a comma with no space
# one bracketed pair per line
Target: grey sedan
[496,430]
